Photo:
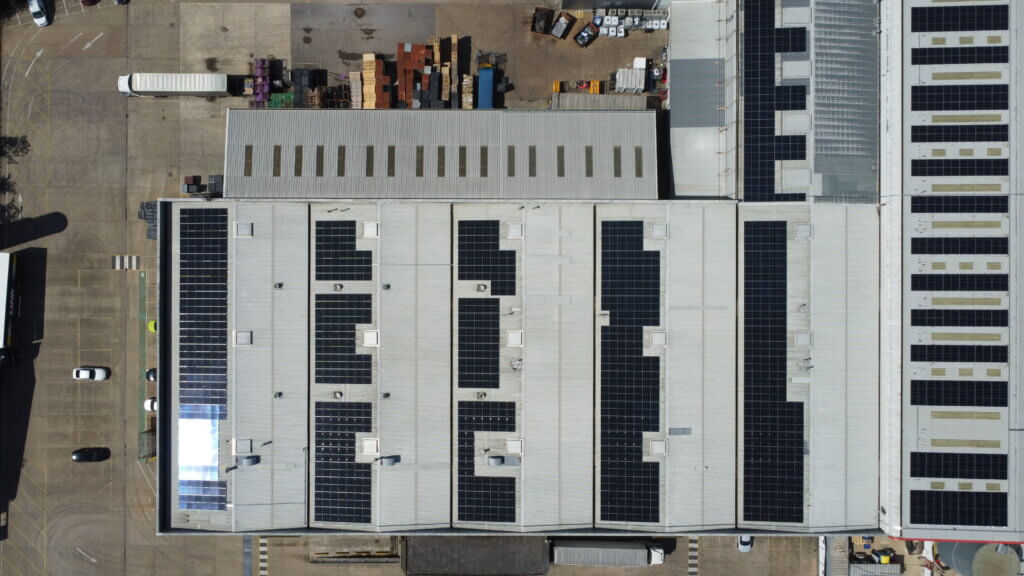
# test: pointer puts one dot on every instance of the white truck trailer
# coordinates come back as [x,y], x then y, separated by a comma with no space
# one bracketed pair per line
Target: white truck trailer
[606,553]
[173,84]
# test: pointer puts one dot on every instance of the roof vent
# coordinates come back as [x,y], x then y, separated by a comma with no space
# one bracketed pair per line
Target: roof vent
[251,460]
[481,287]
[495,460]
[243,229]
[389,460]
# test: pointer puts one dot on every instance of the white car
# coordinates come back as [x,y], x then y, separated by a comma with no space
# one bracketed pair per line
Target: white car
[96,373]
[745,543]
[40,12]
[149,404]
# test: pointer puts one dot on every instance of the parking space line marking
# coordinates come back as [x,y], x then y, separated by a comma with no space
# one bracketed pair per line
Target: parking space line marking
[11,564]
[27,560]
[77,36]
[27,537]
[26,516]
[146,476]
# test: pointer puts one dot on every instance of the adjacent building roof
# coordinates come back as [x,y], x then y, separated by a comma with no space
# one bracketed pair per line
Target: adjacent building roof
[499,154]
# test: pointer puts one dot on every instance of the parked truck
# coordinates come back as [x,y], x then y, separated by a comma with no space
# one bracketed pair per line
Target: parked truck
[606,553]
[172,84]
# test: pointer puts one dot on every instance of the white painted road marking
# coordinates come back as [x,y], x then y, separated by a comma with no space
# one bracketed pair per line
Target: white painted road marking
[33,62]
[79,35]
[82,552]
[89,43]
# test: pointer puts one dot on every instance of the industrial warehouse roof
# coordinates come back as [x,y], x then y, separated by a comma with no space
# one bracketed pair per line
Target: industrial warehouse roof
[420,365]
[499,154]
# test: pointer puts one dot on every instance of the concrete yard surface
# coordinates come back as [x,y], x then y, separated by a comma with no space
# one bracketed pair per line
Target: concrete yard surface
[770,556]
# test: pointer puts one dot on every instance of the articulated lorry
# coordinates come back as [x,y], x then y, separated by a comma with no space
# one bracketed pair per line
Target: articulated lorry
[172,84]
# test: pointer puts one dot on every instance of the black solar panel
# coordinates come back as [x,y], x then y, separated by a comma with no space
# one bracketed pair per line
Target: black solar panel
[484,498]
[481,259]
[960,97]
[202,495]
[960,204]
[203,337]
[957,393]
[960,133]
[479,342]
[981,318]
[791,97]
[950,167]
[773,429]
[203,309]
[968,245]
[343,486]
[958,465]
[959,282]
[957,353]
[960,55]
[959,18]
[336,361]
[958,508]
[336,255]
[630,403]
[762,98]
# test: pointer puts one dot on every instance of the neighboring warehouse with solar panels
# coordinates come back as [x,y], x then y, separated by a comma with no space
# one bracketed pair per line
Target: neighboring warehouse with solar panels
[951,217]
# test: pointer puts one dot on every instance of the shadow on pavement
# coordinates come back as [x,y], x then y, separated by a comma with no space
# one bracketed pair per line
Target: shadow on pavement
[18,382]
[29,229]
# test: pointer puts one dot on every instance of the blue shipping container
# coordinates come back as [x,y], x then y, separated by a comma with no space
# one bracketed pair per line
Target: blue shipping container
[485,89]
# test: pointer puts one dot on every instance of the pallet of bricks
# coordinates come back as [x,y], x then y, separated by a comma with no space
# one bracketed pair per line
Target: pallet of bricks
[376,86]
[412,61]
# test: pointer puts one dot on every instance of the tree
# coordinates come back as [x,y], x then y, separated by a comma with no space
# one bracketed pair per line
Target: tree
[13,147]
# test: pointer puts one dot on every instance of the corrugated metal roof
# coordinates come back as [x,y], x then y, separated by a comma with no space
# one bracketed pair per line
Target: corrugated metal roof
[441,154]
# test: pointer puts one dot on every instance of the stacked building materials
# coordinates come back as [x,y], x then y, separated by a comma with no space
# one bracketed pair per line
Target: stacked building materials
[355,81]
[260,71]
[632,80]
[412,59]
[467,92]
[304,82]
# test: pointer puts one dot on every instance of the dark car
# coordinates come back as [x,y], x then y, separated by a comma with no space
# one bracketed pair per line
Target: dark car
[587,35]
[151,375]
[96,454]
[90,2]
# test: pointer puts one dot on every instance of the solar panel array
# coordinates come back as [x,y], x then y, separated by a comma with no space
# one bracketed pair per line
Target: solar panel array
[958,393]
[479,342]
[958,465]
[762,146]
[970,175]
[630,381]
[343,486]
[203,336]
[483,498]
[480,257]
[773,429]
[336,317]
[203,307]
[202,495]
[336,255]
[958,508]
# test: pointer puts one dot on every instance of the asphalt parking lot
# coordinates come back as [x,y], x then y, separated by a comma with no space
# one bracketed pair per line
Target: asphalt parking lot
[95,155]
